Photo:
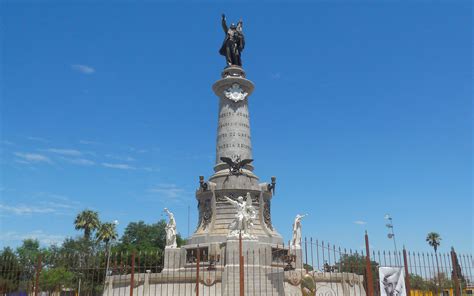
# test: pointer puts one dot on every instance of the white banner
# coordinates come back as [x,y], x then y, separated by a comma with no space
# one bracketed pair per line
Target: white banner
[392,281]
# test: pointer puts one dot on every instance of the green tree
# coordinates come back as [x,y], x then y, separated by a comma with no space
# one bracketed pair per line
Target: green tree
[10,270]
[148,241]
[417,282]
[73,252]
[106,232]
[56,279]
[356,263]
[434,240]
[80,257]
[88,221]
[28,254]
[139,236]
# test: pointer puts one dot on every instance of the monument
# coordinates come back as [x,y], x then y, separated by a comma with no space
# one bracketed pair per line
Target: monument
[235,245]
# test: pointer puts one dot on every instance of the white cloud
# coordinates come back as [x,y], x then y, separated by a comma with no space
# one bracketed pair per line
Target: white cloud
[359,222]
[37,139]
[150,169]
[44,238]
[32,157]
[26,210]
[7,142]
[55,197]
[83,68]
[86,142]
[122,158]
[120,166]
[169,191]
[80,161]
[68,152]
[137,150]
[48,204]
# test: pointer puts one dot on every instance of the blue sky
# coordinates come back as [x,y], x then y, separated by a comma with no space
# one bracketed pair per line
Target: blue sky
[361,108]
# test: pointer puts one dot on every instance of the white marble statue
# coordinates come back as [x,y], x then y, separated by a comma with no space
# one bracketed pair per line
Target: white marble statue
[170,230]
[296,240]
[244,218]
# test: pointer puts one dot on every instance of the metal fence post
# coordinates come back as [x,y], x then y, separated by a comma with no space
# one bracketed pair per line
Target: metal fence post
[197,269]
[132,274]
[241,266]
[407,274]
[38,272]
[306,253]
[370,279]
[455,273]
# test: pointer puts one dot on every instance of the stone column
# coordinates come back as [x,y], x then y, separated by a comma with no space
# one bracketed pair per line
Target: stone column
[233,130]
[253,275]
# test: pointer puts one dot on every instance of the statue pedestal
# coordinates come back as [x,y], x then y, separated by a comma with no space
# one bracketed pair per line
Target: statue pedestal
[258,276]
[249,248]
[233,138]
[298,253]
[174,258]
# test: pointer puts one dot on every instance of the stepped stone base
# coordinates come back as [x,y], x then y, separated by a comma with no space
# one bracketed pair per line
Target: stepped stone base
[263,281]
[262,275]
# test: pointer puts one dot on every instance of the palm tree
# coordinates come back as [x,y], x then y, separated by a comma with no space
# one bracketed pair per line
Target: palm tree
[88,221]
[434,240]
[106,232]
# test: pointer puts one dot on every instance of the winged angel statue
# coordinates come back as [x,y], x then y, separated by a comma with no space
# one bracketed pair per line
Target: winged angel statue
[244,217]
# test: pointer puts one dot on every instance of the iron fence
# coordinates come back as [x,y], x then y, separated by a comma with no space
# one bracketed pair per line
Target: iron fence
[426,273]
[268,271]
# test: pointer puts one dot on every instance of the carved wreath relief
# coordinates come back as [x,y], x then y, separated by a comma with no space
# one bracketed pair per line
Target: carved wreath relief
[205,213]
[267,215]
[235,93]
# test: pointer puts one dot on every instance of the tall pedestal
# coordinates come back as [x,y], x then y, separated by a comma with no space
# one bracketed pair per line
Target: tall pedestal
[233,140]
[258,275]
[233,129]
[173,259]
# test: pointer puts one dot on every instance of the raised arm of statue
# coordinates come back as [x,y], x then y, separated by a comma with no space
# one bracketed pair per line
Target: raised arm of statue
[235,203]
[299,217]
[224,24]
[171,222]
[242,42]
[239,26]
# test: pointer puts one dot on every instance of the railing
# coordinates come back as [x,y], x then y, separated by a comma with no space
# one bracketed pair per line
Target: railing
[426,273]
[316,265]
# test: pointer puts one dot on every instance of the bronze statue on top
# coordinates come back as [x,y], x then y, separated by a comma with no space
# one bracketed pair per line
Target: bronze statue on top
[233,44]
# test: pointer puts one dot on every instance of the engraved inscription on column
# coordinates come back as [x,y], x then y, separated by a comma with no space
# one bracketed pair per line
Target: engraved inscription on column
[233,132]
